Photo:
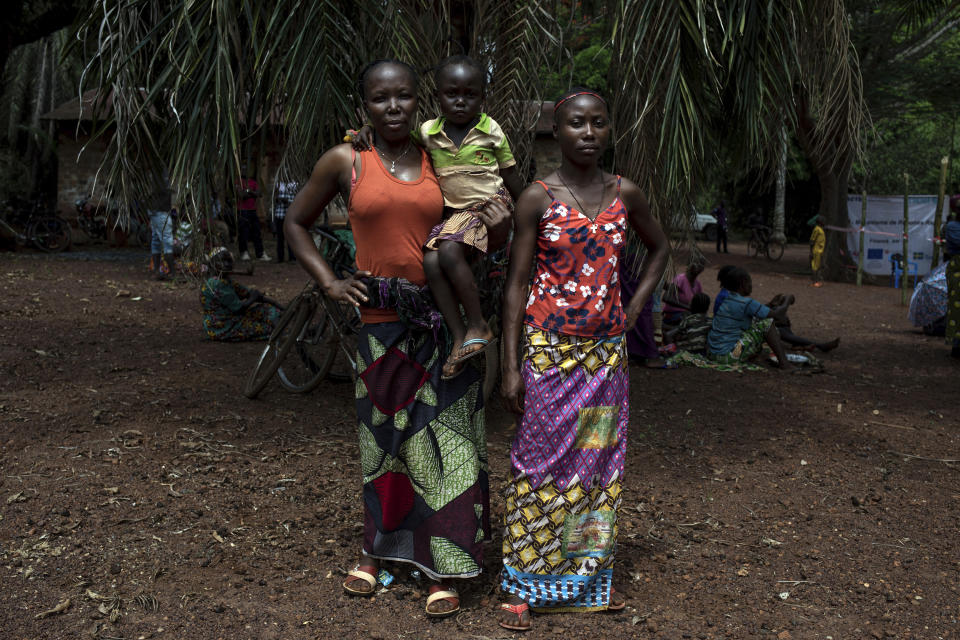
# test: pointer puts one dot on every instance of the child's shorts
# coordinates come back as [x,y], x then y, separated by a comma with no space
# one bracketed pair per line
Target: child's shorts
[465,227]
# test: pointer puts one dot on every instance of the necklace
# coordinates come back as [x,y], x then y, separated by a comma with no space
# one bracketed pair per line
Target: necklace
[603,193]
[393,161]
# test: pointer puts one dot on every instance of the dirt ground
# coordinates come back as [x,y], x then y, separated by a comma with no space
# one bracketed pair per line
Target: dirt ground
[142,496]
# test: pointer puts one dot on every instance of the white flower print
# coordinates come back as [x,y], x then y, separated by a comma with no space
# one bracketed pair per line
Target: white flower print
[584,290]
[599,305]
[552,232]
[562,302]
[587,269]
[593,228]
[602,291]
[613,278]
[554,291]
[613,260]
[609,227]
[561,210]
[544,276]
[616,238]
[531,299]
[571,286]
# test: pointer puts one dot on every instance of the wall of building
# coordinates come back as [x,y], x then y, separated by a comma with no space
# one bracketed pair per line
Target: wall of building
[76,172]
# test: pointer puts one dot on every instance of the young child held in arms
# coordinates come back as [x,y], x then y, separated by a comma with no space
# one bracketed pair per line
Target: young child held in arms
[474,165]
[691,334]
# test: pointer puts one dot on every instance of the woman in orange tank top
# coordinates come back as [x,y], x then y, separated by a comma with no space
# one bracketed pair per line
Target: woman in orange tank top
[412,424]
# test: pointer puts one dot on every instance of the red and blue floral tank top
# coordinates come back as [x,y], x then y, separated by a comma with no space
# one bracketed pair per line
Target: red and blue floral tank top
[576,288]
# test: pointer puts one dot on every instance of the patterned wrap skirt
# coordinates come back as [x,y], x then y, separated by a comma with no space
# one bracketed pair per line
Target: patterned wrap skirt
[750,343]
[953,300]
[567,461]
[465,227]
[423,454]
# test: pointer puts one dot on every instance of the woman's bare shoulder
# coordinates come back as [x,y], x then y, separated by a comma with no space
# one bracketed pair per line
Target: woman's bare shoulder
[533,197]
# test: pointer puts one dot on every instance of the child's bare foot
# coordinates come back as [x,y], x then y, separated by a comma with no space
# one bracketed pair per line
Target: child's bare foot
[451,368]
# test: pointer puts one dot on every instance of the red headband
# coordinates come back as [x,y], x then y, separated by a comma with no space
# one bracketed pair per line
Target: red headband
[579,93]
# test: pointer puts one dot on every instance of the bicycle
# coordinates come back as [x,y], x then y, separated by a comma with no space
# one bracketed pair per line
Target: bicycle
[47,232]
[762,242]
[97,222]
[315,328]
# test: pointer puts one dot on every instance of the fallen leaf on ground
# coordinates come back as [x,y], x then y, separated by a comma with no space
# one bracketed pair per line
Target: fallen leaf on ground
[60,608]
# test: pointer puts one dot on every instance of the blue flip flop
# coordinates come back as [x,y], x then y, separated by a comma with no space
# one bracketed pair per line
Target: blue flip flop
[472,354]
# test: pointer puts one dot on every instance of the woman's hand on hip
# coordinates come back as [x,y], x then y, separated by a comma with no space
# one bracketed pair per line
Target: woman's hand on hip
[349,290]
[496,217]
[633,312]
[513,391]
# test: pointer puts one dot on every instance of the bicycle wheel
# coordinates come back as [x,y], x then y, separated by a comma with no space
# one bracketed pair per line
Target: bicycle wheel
[279,344]
[774,250]
[50,234]
[344,366]
[753,248]
[313,354]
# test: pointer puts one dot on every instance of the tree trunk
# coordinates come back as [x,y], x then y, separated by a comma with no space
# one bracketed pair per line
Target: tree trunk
[831,161]
[833,207]
[779,206]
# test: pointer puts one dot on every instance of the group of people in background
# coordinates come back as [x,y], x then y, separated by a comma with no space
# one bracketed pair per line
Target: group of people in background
[739,327]
[247,222]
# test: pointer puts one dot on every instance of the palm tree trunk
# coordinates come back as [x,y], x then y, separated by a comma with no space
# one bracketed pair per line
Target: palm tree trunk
[779,206]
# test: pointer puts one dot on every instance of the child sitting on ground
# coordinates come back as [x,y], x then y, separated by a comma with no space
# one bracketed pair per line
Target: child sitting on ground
[742,325]
[691,334]
[721,275]
[472,159]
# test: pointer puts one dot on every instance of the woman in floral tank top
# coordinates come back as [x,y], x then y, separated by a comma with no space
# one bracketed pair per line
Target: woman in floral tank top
[570,391]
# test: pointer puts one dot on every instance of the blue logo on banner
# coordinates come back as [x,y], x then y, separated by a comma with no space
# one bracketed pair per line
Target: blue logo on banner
[918,255]
[874,254]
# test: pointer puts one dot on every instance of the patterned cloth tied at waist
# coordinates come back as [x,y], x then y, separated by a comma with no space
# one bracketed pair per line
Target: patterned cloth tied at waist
[414,304]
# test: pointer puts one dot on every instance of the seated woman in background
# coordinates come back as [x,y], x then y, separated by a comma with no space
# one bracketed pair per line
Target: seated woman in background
[742,325]
[680,292]
[232,312]
[691,334]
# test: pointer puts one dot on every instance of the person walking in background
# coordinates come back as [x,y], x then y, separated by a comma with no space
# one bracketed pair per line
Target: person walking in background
[818,242]
[720,214]
[161,228]
[283,194]
[248,223]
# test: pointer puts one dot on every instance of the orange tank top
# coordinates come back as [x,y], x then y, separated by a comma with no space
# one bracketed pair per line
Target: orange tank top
[391,220]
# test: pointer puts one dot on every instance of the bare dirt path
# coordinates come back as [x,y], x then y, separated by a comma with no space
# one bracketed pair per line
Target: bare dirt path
[142,496]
